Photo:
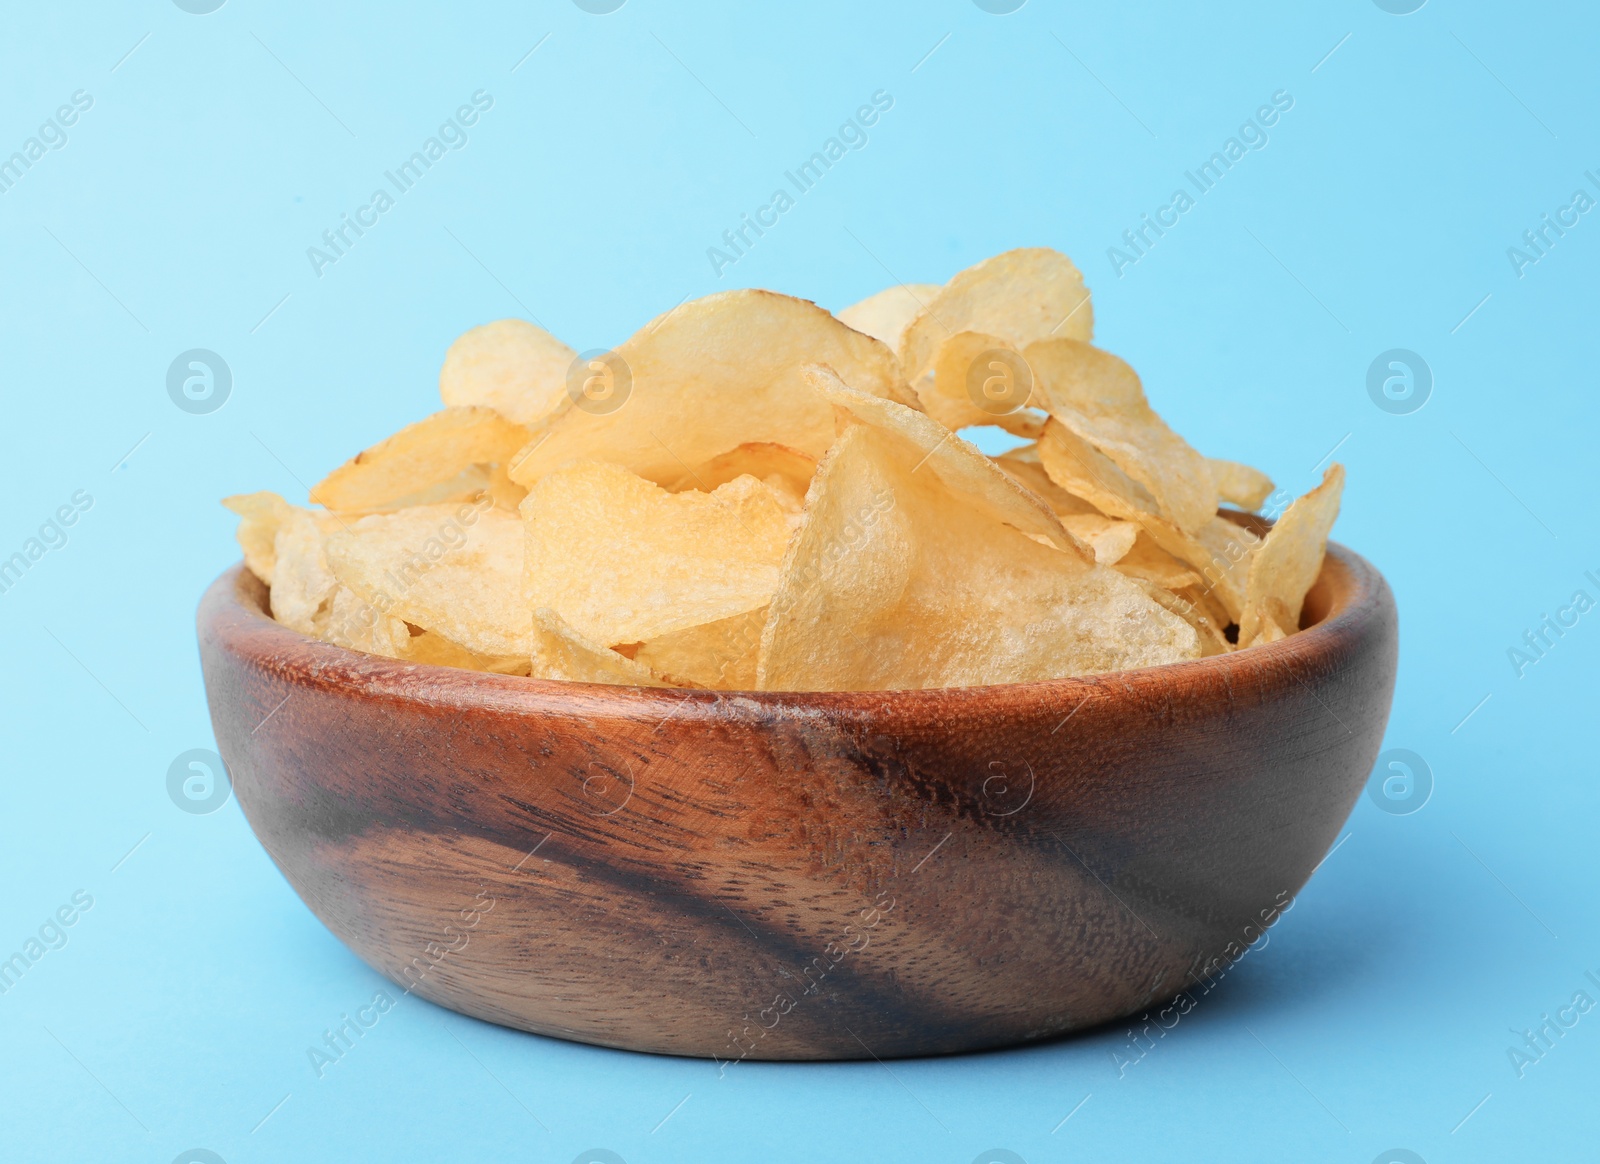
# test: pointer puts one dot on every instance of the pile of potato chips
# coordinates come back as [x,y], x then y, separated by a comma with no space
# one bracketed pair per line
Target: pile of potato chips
[753,494]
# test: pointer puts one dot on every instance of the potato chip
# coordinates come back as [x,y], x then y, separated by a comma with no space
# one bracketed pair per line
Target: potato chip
[710,376]
[1289,560]
[1211,634]
[1145,559]
[1022,465]
[559,652]
[1239,484]
[406,469]
[966,472]
[262,514]
[624,561]
[1109,538]
[915,568]
[721,654]
[1099,397]
[434,649]
[886,315]
[301,583]
[980,379]
[452,569]
[349,621]
[1020,297]
[787,470]
[512,366]
[1219,552]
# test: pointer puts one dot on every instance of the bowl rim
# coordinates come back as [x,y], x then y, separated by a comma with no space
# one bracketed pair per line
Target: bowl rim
[232,615]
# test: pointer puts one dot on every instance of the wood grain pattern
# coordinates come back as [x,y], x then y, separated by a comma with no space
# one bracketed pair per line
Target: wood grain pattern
[800,876]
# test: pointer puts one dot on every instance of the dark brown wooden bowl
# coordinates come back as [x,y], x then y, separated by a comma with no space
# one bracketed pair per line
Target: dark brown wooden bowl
[800,875]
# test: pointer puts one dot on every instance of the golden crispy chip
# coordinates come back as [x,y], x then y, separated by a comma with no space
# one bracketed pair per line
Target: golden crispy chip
[913,570]
[1022,466]
[624,561]
[1110,539]
[1267,631]
[1021,296]
[404,470]
[301,583]
[559,652]
[966,472]
[1099,398]
[1289,560]
[1239,484]
[1145,559]
[721,654]
[433,648]
[707,377]
[1219,552]
[349,621]
[1080,469]
[512,366]
[980,379]
[1199,615]
[503,491]
[1221,555]
[453,569]
[886,315]
[261,514]
[785,469]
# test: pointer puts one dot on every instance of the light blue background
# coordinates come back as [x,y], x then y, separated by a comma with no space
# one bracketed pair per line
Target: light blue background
[178,216]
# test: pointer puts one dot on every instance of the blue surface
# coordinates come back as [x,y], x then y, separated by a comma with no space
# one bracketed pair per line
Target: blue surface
[177,215]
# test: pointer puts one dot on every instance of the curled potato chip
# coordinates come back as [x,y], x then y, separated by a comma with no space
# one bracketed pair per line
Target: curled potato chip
[902,577]
[1220,551]
[1099,397]
[452,569]
[1239,484]
[409,468]
[710,376]
[262,515]
[349,621]
[787,470]
[624,561]
[301,583]
[965,471]
[886,315]
[512,366]
[980,379]
[1019,297]
[720,655]
[559,652]
[1022,465]
[1289,560]
[1145,559]
[1200,615]
[1109,538]
[433,648]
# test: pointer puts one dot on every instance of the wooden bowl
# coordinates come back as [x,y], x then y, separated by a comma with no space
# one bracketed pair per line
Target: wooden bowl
[778,875]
